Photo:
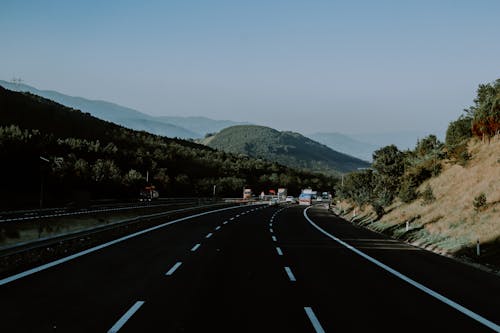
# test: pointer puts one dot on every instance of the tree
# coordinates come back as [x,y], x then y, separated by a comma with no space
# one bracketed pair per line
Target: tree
[133,178]
[485,112]
[458,131]
[389,164]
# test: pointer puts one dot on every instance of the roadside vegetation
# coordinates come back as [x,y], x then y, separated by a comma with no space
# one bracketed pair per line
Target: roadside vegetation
[448,192]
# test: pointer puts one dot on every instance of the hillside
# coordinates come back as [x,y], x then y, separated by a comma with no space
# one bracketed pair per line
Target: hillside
[450,224]
[287,148]
[89,157]
[115,113]
[345,144]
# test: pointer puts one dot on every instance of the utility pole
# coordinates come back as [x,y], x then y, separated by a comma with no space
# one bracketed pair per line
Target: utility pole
[43,159]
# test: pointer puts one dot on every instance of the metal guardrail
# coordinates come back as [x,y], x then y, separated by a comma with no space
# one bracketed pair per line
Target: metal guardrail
[25,215]
[26,246]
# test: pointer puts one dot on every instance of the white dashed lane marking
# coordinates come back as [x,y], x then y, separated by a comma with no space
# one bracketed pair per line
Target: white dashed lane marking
[314,320]
[290,274]
[174,268]
[119,324]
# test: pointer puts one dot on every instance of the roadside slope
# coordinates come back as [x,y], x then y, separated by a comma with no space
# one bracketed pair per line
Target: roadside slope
[451,224]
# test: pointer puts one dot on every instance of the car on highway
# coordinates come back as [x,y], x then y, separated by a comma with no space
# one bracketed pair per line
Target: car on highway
[290,199]
[273,201]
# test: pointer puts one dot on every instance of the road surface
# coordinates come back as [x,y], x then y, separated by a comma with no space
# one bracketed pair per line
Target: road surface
[253,269]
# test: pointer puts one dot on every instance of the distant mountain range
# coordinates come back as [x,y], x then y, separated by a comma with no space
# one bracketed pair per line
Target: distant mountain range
[180,127]
[346,144]
[287,148]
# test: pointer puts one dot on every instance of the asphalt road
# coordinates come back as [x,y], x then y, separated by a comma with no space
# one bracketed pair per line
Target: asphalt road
[254,269]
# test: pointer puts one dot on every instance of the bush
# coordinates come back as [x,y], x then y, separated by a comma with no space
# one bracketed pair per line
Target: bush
[408,191]
[428,196]
[458,131]
[479,202]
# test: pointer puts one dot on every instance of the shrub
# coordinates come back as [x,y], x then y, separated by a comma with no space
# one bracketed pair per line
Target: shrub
[479,202]
[408,191]
[428,196]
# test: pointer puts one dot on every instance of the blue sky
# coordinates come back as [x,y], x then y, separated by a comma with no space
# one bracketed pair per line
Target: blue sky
[344,66]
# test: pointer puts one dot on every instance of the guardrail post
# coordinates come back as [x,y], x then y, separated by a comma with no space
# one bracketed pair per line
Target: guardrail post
[407,225]
[478,248]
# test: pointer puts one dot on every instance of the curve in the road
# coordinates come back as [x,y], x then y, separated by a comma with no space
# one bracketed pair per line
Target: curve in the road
[405,278]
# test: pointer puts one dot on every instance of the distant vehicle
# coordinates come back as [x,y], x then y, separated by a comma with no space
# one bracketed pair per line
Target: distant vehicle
[290,199]
[273,201]
[319,199]
[247,193]
[148,194]
[305,199]
[282,194]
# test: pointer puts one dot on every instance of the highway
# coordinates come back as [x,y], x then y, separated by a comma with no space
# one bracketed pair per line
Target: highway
[254,268]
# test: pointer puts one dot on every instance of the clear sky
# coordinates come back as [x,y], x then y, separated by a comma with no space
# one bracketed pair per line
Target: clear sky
[345,66]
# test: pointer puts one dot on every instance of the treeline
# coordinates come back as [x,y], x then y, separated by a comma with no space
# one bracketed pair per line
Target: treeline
[91,158]
[398,174]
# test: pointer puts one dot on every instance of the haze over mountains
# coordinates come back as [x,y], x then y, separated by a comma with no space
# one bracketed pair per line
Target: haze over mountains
[358,145]
[180,127]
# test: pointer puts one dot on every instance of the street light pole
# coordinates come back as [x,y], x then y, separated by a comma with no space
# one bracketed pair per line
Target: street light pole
[41,180]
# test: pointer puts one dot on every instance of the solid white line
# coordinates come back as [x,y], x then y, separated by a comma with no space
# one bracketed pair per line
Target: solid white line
[217,228]
[116,327]
[174,268]
[274,239]
[195,247]
[405,278]
[314,320]
[280,253]
[209,235]
[290,274]
[98,247]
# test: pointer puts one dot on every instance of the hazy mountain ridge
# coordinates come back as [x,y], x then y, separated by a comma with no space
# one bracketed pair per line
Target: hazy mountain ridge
[199,125]
[345,144]
[171,126]
[288,148]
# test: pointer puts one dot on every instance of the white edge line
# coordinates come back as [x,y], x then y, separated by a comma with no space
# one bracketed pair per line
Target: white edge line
[195,247]
[116,327]
[405,278]
[98,247]
[174,268]
[314,320]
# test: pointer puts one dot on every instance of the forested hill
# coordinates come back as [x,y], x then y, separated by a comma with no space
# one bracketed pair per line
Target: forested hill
[101,159]
[287,148]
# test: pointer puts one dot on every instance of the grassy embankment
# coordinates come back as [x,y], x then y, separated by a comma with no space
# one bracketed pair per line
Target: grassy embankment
[450,224]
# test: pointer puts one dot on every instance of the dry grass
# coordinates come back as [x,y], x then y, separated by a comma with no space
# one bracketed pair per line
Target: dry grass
[452,215]
[450,223]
